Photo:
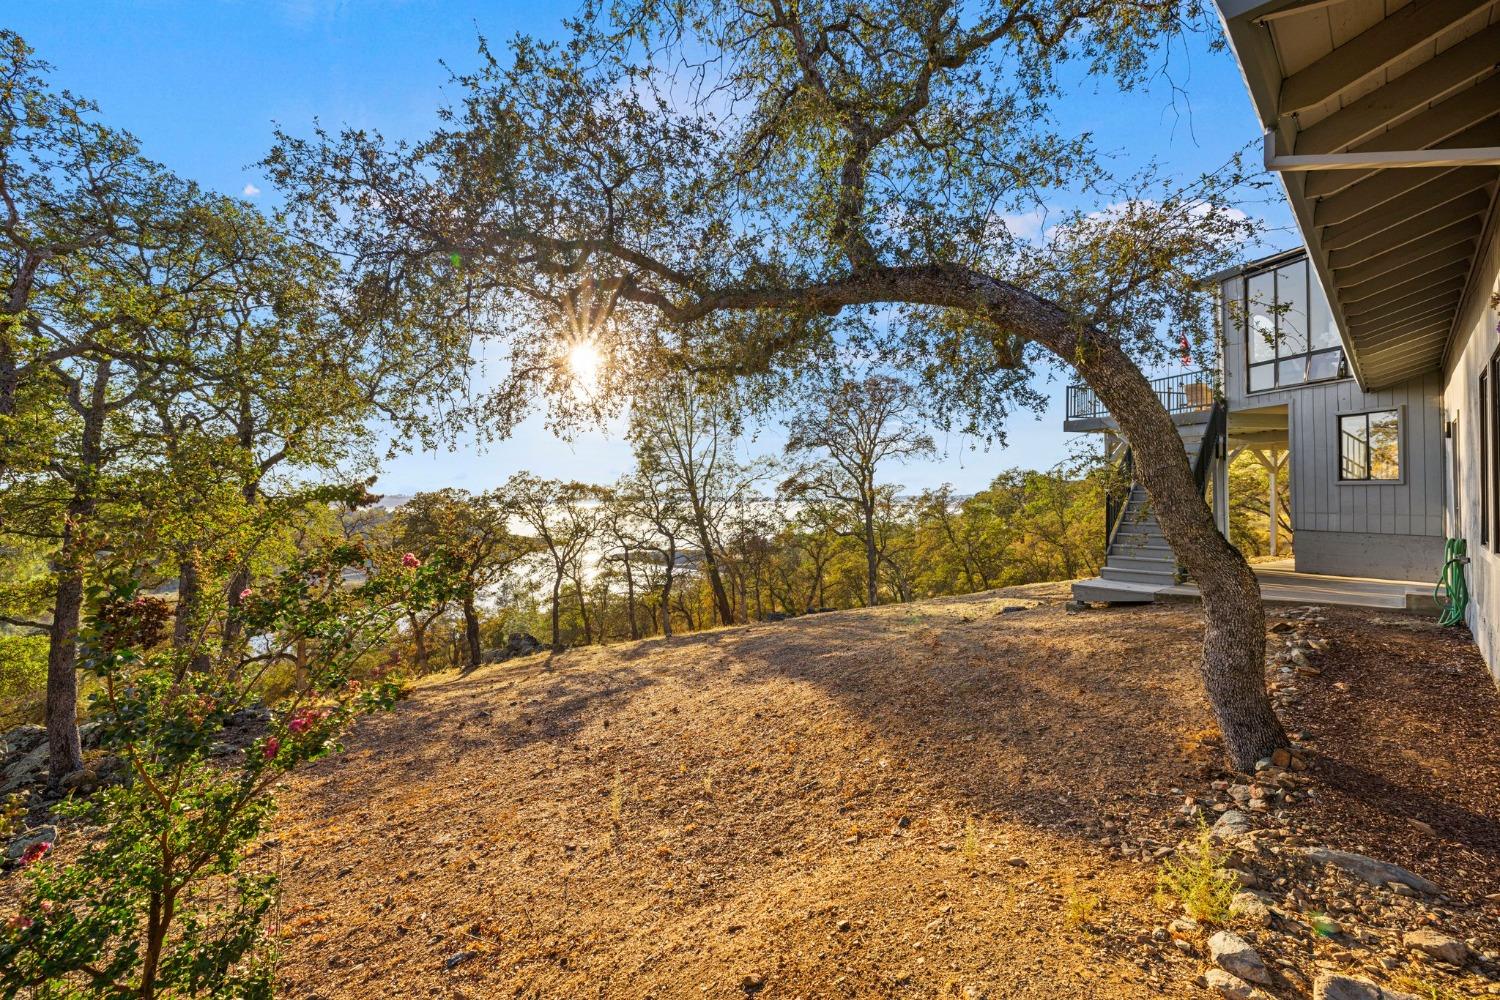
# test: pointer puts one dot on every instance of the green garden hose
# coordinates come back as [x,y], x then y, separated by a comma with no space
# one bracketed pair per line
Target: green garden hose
[1455,555]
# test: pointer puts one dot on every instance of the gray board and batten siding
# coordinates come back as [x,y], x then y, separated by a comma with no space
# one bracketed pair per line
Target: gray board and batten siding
[1391,529]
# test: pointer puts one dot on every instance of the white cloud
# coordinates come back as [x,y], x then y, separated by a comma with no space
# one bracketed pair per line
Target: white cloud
[250,191]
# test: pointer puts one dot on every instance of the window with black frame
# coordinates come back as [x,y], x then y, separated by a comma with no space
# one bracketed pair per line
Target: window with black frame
[1370,446]
[1290,336]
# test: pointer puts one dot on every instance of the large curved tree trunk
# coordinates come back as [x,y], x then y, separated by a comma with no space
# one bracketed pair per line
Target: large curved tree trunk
[1234,639]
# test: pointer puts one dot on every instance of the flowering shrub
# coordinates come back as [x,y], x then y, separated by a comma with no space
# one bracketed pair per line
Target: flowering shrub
[161,903]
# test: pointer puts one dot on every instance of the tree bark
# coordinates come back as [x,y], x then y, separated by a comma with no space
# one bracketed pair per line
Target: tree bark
[186,617]
[556,618]
[1233,661]
[64,749]
[635,630]
[471,632]
[419,641]
[872,558]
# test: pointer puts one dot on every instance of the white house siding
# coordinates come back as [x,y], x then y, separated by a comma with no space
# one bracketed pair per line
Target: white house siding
[1473,346]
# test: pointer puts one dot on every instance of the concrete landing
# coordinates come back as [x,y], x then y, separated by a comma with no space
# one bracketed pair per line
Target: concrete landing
[1280,584]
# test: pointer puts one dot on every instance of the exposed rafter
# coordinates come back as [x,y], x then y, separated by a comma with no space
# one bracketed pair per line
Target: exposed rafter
[1473,57]
[1381,188]
[1460,234]
[1478,124]
[1352,291]
[1423,292]
[1375,237]
[1373,49]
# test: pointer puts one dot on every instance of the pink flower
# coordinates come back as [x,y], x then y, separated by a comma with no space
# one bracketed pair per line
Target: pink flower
[35,851]
[245,594]
[19,922]
[46,906]
[272,746]
[306,719]
[410,560]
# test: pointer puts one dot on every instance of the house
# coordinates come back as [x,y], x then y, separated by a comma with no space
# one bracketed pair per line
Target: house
[1380,382]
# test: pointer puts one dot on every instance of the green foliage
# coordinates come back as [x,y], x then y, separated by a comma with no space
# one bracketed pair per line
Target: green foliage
[161,902]
[23,677]
[1199,881]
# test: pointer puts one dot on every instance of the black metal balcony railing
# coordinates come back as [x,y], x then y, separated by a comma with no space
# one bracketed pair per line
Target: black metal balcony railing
[1189,392]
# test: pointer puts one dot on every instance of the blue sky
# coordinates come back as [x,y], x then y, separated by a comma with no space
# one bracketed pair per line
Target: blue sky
[200,82]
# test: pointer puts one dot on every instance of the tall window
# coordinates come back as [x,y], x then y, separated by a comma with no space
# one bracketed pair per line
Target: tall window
[1290,336]
[1370,446]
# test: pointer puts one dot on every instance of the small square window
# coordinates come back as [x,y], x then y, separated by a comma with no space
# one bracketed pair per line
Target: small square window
[1370,446]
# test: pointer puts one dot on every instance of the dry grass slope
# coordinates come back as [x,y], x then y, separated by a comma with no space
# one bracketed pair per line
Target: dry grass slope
[944,799]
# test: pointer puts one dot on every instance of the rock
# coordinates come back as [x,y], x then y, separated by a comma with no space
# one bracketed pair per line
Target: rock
[1375,872]
[1230,824]
[1425,829]
[85,779]
[22,740]
[458,958]
[1251,909]
[1234,955]
[752,982]
[36,835]
[25,769]
[1437,945]
[1330,986]
[1227,985]
[517,644]
[1281,757]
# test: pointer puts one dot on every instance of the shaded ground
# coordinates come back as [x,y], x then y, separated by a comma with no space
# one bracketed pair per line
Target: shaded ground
[940,799]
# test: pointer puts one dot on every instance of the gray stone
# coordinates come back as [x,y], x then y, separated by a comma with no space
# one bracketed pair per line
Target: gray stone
[1227,985]
[26,769]
[1437,945]
[1251,909]
[1377,873]
[1230,824]
[1234,954]
[22,739]
[1329,986]
[459,958]
[36,835]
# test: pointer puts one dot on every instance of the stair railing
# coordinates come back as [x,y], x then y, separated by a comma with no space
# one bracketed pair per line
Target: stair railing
[1114,508]
[1211,444]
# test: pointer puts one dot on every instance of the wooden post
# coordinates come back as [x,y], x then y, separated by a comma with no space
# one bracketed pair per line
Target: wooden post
[1275,501]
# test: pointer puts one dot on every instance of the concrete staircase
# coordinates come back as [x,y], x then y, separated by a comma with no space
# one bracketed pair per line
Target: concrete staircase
[1139,563]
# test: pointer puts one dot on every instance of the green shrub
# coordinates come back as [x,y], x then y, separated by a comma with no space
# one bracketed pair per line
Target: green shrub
[1198,880]
[159,904]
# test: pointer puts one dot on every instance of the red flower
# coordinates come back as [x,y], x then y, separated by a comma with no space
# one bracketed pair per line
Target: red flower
[245,594]
[35,851]
[19,922]
[410,560]
[271,747]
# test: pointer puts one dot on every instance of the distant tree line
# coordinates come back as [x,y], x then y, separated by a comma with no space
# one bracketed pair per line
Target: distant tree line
[693,537]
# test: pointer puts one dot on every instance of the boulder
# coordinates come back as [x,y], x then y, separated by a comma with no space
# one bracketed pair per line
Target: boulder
[24,769]
[1377,873]
[1234,955]
[22,740]
[1434,944]
[36,835]
[1330,986]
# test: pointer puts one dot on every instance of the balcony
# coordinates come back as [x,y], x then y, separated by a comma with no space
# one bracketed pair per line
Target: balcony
[1186,396]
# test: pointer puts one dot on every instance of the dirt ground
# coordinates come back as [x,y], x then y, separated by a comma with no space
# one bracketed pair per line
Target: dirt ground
[948,799]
